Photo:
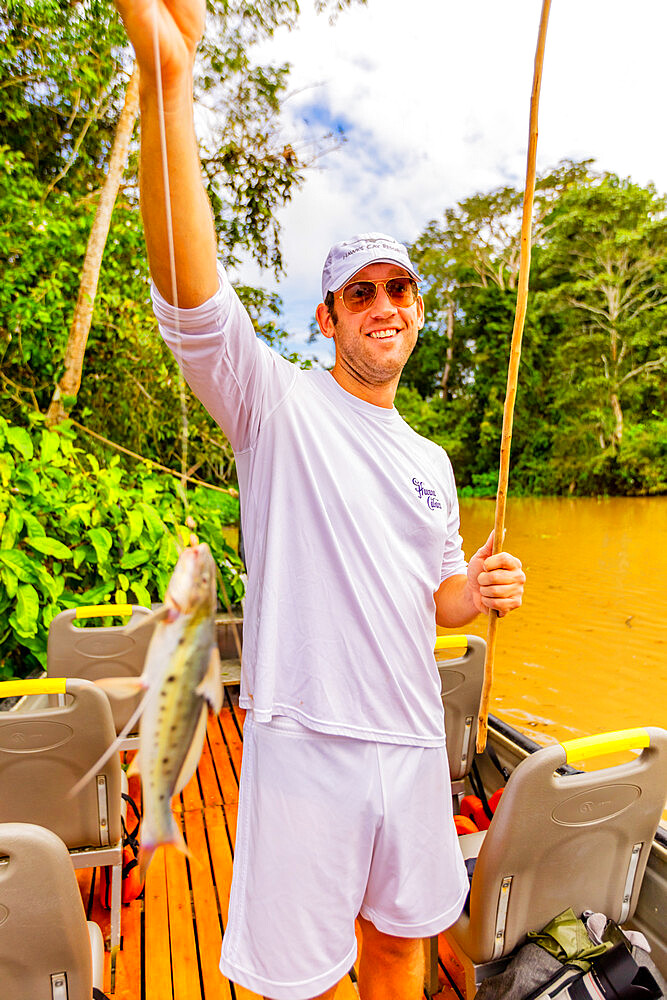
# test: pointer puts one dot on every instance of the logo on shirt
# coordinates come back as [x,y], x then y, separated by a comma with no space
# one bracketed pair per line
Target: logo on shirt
[432,501]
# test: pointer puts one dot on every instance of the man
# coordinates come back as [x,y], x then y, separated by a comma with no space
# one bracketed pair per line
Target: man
[350,522]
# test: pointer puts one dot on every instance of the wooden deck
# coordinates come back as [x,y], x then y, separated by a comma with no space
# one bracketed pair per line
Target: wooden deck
[172,937]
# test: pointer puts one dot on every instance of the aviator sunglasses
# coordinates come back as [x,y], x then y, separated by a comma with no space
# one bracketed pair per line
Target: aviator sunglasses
[360,295]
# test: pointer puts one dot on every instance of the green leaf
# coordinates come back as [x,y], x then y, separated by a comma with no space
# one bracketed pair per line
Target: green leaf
[27,481]
[6,469]
[168,553]
[81,553]
[11,529]
[102,542]
[26,616]
[50,547]
[97,594]
[136,523]
[51,586]
[132,559]
[19,438]
[153,521]
[10,580]
[49,446]
[33,526]
[22,565]
[49,613]
[140,592]
[80,511]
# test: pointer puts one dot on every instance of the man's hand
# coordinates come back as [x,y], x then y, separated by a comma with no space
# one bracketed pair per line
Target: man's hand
[495,581]
[180,25]
[185,225]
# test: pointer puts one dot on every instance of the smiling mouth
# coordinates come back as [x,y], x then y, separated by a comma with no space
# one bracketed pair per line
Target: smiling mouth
[382,334]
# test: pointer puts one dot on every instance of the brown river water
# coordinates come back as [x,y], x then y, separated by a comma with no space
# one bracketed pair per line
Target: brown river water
[587,652]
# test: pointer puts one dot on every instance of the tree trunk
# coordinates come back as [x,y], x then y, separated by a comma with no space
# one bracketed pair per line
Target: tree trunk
[450,348]
[617,433]
[70,381]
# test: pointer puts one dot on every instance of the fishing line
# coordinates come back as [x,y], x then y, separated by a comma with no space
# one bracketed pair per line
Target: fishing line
[174,294]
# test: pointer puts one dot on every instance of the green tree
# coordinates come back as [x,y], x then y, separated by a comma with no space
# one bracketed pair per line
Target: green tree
[605,270]
[591,389]
[60,115]
[470,261]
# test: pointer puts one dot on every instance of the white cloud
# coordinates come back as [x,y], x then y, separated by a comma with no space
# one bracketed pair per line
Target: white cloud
[434,98]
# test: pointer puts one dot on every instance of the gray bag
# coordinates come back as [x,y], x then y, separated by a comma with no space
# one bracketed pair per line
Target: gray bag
[533,974]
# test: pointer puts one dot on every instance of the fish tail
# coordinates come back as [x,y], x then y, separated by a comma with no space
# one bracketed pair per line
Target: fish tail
[146,852]
[148,846]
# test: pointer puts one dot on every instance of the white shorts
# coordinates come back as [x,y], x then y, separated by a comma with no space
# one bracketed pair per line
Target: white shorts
[330,827]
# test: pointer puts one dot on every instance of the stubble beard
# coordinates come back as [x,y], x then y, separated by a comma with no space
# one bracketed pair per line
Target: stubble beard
[366,370]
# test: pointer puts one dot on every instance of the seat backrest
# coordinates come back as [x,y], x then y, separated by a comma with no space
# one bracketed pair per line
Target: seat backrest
[99,651]
[577,840]
[461,679]
[42,756]
[43,929]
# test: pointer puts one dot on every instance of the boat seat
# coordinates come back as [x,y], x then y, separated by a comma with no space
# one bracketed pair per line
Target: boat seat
[43,754]
[579,840]
[101,651]
[461,678]
[48,951]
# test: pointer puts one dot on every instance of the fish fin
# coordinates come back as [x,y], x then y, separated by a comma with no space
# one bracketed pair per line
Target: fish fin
[113,748]
[156,616]
[210,687]
[121,687]
[178,842]
[194,753]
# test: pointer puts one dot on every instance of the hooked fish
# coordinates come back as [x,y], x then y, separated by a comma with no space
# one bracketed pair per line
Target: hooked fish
[181,680]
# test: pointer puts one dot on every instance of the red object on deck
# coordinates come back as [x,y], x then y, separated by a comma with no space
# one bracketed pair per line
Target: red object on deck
[495,799]
[471,806]
[130,885]
[464,824]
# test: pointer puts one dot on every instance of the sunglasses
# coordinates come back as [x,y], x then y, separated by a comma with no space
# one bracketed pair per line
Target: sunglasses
[360,295]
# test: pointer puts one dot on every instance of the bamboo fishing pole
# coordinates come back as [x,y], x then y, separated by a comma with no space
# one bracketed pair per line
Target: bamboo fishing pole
[513,370]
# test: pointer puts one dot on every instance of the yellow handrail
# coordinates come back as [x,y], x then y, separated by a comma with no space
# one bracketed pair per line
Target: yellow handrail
[38,685]
[451,642]
[594,746]
[104,611]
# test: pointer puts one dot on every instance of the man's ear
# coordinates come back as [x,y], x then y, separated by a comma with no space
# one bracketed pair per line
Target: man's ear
[324,321]
[420,313]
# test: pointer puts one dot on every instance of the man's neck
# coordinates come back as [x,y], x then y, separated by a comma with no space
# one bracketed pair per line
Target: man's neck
[379,395]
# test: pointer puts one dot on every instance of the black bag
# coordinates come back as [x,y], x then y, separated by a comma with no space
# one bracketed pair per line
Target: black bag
[614,976]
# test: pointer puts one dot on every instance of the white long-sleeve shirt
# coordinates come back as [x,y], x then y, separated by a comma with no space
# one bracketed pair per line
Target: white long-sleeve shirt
[350,523]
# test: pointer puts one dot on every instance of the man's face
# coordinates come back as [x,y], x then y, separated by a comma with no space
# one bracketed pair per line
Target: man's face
[372,346]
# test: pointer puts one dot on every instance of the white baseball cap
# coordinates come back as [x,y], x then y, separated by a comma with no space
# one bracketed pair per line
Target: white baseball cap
[346,258]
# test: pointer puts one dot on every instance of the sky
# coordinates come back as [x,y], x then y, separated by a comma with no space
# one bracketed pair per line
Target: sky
[433,99]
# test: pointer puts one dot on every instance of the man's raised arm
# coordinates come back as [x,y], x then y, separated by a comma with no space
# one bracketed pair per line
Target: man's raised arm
[180,25]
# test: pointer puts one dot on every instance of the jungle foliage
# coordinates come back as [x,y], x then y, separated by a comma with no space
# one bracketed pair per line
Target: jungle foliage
[75,532]
[590,411]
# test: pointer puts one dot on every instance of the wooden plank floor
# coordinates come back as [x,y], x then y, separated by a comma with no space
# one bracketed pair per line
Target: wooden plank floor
[172,936]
